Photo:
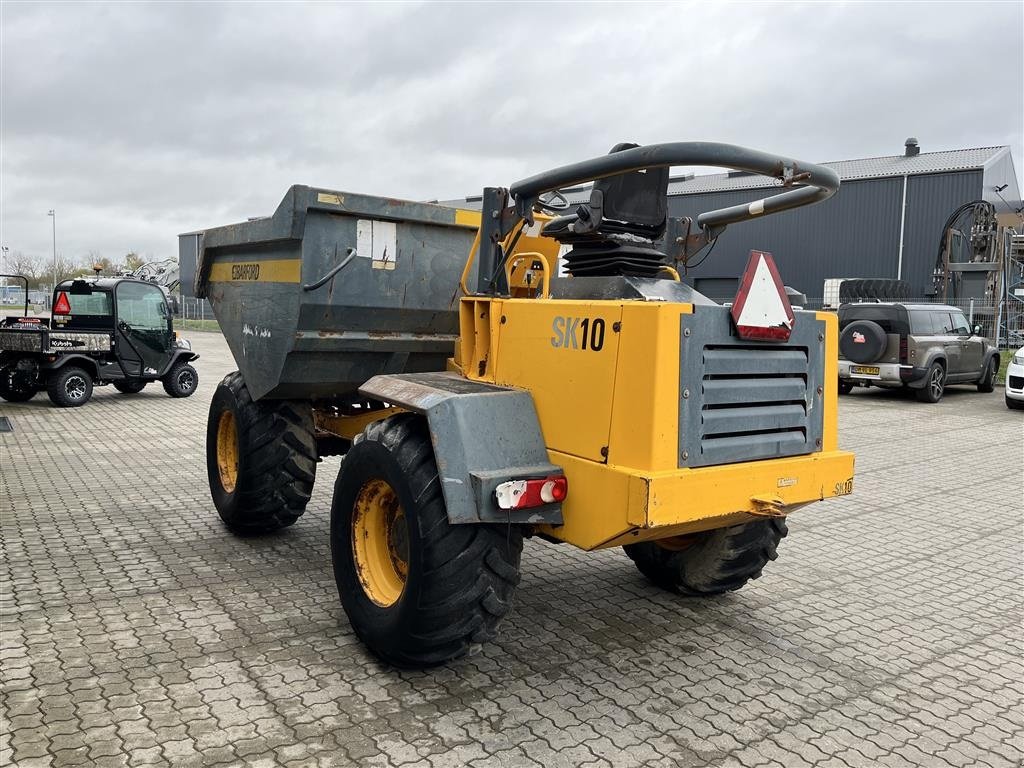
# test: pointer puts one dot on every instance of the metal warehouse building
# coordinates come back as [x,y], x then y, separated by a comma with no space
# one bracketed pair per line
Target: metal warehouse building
[885,222]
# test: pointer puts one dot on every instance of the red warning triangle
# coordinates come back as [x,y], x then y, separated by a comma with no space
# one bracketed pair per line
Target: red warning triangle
[761,310]
[62,306]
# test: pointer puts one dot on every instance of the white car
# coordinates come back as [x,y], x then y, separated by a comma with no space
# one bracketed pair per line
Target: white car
[1015,380]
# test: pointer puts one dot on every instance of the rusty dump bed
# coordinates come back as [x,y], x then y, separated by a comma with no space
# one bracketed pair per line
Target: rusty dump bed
[335,288]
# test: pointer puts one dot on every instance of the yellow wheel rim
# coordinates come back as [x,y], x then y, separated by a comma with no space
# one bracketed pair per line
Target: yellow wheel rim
[380,543]
[227,451]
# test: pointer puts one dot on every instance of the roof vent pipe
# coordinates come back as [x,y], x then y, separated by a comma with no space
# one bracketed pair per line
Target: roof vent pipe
[912,147]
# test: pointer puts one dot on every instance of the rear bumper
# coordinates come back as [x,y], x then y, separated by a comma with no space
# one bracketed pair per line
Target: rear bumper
[889,374]
[610,506]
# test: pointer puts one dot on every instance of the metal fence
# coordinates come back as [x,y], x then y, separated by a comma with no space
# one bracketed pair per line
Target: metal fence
[990,315]
[1005,329]
[195,314]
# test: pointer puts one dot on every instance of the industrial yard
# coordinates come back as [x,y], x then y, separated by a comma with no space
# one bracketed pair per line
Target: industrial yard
[139,631]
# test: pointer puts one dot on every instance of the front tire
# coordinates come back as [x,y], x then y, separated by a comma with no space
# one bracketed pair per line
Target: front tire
[934,384]
[418,590]
[181,381]
[260,458]
[713,562]
[987,383]
[70,387]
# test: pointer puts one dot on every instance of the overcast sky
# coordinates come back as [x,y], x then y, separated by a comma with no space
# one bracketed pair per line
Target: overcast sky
[140,121]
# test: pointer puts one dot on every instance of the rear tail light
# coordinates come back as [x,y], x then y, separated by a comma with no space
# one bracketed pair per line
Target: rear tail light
[903,348]
[524,494]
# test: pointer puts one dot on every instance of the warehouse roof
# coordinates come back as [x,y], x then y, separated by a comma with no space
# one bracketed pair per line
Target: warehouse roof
[866,168]
[848,170]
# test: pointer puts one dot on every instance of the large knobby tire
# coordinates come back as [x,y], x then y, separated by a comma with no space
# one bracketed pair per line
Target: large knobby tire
[873,289]
[181,381]
[418,590]
[987,382]
[260,458]
[934,384]
[69,387]
[12,387]
[129,386]
[713,562]
[862,341]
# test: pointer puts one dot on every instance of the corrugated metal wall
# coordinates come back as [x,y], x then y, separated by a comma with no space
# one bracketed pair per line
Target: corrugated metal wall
[855,234]
[930,201]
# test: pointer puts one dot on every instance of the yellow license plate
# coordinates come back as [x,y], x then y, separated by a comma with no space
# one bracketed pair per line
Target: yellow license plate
[865,370]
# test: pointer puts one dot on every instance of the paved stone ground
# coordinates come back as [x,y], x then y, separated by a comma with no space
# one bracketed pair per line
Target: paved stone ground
[138,631]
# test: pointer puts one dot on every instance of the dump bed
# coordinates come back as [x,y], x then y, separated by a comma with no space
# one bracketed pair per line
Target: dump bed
[335,288]
[34,337]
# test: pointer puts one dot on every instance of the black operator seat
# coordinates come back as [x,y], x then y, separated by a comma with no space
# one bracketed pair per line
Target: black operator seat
[615,233]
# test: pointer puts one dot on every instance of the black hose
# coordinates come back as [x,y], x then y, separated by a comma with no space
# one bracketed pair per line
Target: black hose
[332,273]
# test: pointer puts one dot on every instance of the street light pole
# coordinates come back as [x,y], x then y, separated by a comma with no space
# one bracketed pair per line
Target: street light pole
[53,215]
[4,250]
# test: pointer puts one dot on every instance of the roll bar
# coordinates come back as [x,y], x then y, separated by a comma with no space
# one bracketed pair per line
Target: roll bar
[821,182]
[23,280]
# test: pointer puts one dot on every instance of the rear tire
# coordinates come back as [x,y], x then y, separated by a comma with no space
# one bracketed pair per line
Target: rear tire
[934,384]
[181,381]
[12,388]
[69,387]
[718,561]
[450,586]
[129,386]
[845,387]
[260,458]
[987,383]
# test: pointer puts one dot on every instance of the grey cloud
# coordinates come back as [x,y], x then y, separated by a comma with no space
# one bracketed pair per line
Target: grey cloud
[139,121]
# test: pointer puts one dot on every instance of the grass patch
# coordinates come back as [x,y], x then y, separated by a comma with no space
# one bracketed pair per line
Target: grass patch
[1005,355]
[196,325]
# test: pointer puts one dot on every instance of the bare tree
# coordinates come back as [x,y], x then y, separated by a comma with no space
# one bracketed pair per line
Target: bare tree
[20,263]
[94,259]
[133,261]
[64,268]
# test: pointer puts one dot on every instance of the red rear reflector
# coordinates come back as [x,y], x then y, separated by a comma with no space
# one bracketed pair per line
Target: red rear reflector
[62,306]
[524,494]
[761,310]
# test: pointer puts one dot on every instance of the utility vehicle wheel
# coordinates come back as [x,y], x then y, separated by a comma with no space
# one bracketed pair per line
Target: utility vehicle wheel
[70,387]
[181,380]
[845,387]
[260,458]
[130,386]
[710,563]
[12,388]
[934,384]
[987,383]
[418,590]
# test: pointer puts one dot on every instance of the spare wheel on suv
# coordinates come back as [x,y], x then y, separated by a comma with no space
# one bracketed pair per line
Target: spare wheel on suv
[862,341]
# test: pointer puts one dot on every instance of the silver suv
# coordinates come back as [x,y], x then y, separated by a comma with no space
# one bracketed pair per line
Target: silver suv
[920,346]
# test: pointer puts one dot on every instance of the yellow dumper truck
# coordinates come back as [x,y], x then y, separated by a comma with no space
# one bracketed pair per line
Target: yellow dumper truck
[482,394]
